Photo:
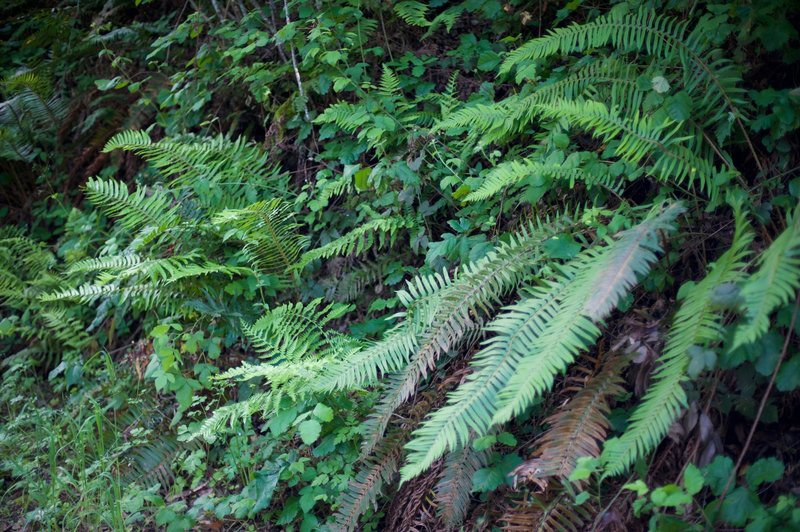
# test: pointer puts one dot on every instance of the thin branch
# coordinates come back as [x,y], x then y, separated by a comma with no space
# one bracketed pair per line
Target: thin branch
[760,409]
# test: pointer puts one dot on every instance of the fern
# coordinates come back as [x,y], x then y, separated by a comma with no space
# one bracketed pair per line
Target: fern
[579,427]
[192,160]
[272,243]
[378,472]
[537,338]
[454,489]
[712,80]
[772,285]
[144,208]
[697,323]
[557,514]
[293,332]
[359,240]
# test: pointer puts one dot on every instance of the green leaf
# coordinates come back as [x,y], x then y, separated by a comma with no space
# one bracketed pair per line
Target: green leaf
[670,495]
[361,179]
[486,479]
[323,412]
[738,506]
[265,483]
[660,84]
[638,486]
[717,473]
[679,106]
[562,247]
[507,439]
[309,431]
[788,378]
[693,480]
[481,444]
[763,471]
[700,359]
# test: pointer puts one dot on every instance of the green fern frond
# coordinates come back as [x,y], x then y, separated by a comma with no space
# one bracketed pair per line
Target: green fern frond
[706,76]
[774,283]
[143,208]
[289,333]
[697,323]
[272,240]
[190,160]
[511,172]
[412,12]
[365,488]
[359,239]
[230,414]
[537,338]
[390,83]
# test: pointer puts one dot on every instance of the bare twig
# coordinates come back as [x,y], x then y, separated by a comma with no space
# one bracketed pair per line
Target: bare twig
[294,66]
[760,408]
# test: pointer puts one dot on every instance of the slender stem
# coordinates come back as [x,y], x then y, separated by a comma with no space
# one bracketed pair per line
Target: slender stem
[760,408]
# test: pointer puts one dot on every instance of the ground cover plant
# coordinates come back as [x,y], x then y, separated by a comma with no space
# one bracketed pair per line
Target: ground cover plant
[365,265]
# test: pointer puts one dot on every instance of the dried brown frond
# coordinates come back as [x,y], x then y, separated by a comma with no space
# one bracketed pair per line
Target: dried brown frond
[539,513]
[578,428]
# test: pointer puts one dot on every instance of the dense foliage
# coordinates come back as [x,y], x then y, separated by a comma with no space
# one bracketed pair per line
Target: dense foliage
[353,264]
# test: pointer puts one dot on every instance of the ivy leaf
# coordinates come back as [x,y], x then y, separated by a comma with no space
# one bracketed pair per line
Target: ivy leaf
[764,471]
[309,431]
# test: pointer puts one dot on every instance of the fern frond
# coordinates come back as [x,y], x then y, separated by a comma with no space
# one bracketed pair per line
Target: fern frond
[143,208]
[190,160]
[230,414]
[578,428]
[364,489]
[390,83]
[774,283]
[454,489]
[697,323]
[360,239]
[293,331]
[272,240]
[537,338]
[706,76]
[511,172]
[558,514]
[412,12]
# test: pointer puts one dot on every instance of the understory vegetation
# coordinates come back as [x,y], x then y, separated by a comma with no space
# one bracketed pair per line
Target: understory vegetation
[364,265]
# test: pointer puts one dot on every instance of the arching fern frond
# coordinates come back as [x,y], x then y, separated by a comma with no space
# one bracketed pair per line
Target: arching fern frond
[190,160]
[696,324]
[537,338]
[774,283]
[360,239]
[145,207]
[271,237]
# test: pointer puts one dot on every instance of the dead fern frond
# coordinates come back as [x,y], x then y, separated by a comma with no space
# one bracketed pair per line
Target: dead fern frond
[578,428]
